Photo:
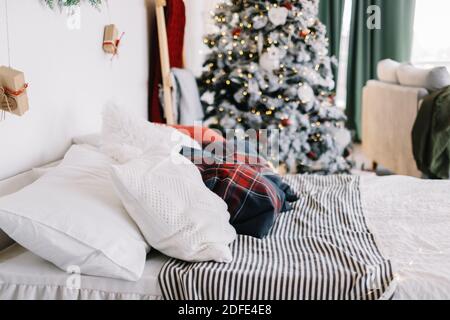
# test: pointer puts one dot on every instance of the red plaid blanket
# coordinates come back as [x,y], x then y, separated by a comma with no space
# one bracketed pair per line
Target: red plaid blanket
[255,194]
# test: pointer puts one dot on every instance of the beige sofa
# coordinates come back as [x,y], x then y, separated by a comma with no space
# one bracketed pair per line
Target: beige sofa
[389,112]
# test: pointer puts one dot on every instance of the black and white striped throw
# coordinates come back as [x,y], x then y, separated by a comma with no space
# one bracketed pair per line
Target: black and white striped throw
[321,250]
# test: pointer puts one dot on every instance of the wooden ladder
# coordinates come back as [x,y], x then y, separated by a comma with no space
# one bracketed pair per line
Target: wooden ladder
[165,61]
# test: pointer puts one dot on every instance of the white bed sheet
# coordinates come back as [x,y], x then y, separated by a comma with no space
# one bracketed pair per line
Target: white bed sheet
[410,219]
[25,276]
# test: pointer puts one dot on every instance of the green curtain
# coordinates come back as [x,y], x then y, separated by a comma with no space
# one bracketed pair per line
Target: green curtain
[368,47]
[331,13]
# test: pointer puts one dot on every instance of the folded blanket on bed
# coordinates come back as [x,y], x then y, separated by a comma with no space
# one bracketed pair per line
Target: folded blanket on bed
[254,193]
[321,250]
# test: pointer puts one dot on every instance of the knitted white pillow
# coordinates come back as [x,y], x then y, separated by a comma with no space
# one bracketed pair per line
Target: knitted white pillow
[126,136]
[177,214]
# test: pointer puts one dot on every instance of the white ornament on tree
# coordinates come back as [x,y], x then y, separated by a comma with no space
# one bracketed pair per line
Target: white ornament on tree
[260,22]
[278,16]
[270,60]
[235,19]
[305,93]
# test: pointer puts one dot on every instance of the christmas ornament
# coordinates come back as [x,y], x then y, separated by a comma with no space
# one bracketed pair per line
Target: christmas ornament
[278,16]
[305,93]
[234,19]
[304,33]
[270,60]
[312,155]
[286,122]
[260,22]
[237,32]
[288,5]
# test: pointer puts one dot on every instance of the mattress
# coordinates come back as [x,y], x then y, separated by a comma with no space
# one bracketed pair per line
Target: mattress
[25,276]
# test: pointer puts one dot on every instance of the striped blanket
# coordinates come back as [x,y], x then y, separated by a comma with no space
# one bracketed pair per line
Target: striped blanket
[321,250]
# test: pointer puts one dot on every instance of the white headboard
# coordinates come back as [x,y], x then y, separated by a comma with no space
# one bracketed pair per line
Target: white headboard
[70,77]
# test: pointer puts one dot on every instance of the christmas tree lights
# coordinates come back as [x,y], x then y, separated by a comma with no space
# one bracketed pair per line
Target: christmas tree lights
[269,68]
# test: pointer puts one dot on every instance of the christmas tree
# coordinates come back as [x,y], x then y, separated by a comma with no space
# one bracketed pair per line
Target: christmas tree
[269,68]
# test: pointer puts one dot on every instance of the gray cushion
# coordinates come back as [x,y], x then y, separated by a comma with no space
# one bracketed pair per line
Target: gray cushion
[438,78]
[431,79]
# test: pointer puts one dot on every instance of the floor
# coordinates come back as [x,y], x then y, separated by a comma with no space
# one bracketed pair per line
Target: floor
[364,166]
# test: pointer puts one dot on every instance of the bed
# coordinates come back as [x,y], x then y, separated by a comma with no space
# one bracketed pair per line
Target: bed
[408,218]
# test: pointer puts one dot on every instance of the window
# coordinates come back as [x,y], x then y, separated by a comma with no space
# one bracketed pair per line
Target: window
[431,46]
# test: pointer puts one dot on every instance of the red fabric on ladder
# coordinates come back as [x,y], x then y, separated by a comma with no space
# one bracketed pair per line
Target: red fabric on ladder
[176,23]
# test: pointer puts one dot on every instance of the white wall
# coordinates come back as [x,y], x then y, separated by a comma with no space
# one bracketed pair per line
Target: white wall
[198,20]
[70,77]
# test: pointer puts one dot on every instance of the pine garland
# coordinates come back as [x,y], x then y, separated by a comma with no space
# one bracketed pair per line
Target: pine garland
[69,3]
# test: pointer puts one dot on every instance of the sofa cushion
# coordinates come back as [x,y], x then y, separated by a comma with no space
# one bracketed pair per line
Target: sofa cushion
[438,78]
[387,71]
[431,79]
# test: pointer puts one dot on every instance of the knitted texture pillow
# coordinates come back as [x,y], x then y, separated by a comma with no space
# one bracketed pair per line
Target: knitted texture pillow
[175,212]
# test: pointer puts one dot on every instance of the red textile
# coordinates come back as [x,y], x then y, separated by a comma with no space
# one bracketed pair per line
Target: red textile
[201,135]
[176,22]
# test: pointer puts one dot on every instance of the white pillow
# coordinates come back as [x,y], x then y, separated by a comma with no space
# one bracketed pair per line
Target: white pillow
[176,212]
[387,71]
[431,79]
[126,136]
[73,218]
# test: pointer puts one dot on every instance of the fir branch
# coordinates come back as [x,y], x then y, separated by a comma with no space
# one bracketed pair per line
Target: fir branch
[69,3]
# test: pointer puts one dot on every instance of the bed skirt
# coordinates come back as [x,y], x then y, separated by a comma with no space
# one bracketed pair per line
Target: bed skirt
[321,250]
[47,292]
